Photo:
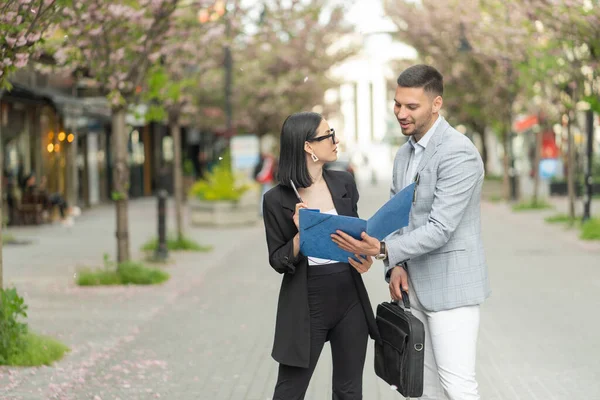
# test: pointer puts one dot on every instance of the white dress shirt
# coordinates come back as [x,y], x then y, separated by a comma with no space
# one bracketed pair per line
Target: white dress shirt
[417,153]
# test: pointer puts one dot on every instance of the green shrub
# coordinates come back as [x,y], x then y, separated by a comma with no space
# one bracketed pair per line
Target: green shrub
[37,350]
[175,244]
[531,205]
[19,347]
[219,184]
[8,238]
[133,273]
[12,331]
[590,230]
[560,219]
[494,178]
[127,273]
[496,198]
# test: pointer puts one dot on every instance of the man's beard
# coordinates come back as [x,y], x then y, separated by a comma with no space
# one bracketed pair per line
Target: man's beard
[420,130]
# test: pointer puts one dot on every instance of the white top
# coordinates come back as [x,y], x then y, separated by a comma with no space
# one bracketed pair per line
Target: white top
[322,261]
[417,153]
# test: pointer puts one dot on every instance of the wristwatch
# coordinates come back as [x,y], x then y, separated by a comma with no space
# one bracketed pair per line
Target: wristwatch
[382,252]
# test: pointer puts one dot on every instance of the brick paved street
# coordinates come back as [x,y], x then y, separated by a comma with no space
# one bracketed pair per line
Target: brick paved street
[207,333]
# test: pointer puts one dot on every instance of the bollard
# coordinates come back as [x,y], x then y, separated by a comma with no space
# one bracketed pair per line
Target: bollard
[161,249]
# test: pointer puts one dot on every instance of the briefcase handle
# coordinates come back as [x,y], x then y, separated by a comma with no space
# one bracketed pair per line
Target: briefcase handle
[405,300]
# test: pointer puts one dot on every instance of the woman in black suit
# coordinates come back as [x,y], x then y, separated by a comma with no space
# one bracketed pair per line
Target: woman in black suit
[320,300]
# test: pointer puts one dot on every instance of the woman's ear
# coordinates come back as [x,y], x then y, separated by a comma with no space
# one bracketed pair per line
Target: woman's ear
[307,148]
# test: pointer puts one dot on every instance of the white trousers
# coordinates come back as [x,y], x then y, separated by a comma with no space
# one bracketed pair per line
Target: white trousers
[450,350]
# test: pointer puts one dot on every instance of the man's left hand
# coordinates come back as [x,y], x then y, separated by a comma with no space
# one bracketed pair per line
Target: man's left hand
[368,245]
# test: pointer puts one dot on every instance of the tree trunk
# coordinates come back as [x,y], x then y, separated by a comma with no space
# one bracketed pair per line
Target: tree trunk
[480,129]
[177,172]
[570,168]
[506,163]
[537,158]
[121,182]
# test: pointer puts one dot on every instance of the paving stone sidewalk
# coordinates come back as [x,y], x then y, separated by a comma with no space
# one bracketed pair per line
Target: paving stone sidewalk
[206,334]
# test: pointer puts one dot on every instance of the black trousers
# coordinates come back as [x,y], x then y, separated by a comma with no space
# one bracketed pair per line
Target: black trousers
[337,316]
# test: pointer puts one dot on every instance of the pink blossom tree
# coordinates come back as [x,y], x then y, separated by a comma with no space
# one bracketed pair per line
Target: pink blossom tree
[115,44]
[173,84]
[572,29]
[479,46]
[283,67]
[23,24]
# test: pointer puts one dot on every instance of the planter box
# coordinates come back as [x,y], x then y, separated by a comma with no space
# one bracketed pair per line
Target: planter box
[225,212]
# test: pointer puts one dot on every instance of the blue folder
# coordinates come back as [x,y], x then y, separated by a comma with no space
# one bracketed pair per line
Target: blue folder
[316,227]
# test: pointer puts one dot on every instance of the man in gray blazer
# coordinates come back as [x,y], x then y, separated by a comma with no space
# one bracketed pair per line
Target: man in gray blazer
[440,253]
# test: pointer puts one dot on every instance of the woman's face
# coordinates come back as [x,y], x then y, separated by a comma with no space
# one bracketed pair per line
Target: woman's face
[324,145]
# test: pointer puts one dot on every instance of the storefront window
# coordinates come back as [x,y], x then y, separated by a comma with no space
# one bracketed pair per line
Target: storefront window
[136,155]
[167,149]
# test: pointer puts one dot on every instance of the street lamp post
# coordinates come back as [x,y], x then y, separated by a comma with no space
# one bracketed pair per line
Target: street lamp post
[512,173]
[589,117]
[228,64]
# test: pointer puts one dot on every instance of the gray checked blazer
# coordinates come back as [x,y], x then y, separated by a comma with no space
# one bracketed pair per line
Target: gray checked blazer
[442,245]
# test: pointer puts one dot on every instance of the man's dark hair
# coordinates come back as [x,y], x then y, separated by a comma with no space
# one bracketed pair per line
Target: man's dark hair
[297,129]
[422,76]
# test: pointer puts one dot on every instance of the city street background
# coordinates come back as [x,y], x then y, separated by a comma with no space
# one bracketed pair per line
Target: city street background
[105,105]
[207,333]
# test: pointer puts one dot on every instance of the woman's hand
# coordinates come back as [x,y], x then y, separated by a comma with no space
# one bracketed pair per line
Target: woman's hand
[362,266]
[297,214]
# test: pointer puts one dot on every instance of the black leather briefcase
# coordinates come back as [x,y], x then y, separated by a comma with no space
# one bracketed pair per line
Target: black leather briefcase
[399,356]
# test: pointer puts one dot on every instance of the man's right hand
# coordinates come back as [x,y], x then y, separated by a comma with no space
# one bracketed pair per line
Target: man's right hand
[398,278]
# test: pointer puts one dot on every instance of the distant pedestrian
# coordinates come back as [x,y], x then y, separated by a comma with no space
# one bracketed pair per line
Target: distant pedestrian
[265,173]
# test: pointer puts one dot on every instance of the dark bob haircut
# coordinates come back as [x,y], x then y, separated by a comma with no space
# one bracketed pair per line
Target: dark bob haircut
[422,76]
[297,129]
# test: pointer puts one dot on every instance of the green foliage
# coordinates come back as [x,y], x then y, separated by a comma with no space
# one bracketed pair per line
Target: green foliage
[496,198]
[137,274]
[188,167]
[12,331]
[156,113]
[175,244]
[163,89]
[220,184]
[594,102]
[561,219]
[8,238]
[590,230]
[37,351]
[18,346]
[127,273]
[531,205]
[116,196]
[494,178]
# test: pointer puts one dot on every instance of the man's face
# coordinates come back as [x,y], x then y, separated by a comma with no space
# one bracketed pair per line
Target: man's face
[416,110]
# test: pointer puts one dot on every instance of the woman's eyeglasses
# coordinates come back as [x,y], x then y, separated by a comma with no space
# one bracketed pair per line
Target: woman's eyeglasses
[321,138]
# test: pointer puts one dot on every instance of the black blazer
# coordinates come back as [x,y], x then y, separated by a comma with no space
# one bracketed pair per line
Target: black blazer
[292,327]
